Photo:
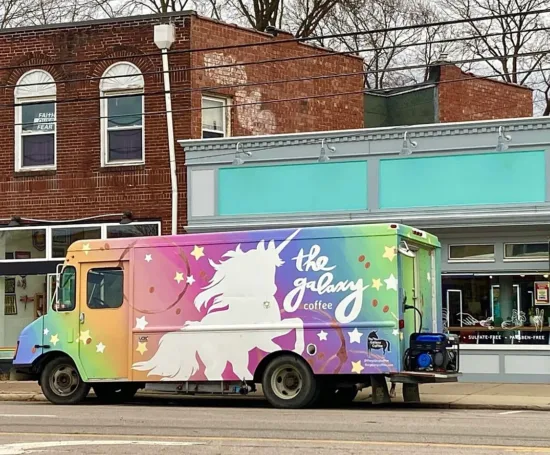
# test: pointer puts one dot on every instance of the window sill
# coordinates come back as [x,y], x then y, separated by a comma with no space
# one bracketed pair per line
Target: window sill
[117,167]
[46,172]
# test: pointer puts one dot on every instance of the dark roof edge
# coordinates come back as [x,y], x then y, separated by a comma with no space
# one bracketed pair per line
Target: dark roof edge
[93,22]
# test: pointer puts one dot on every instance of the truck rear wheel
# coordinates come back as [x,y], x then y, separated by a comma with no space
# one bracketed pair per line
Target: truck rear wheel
[289,383]
[61,383]
[115,393]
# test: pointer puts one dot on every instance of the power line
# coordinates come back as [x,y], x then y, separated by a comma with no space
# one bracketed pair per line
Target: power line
[255,84]
[282,59]
[296,40]
[276,101]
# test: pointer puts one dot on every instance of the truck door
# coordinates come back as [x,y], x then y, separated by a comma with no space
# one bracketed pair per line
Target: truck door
[103,306]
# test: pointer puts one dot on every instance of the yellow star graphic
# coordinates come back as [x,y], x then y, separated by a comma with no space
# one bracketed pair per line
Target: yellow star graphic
[389,253]
[54,339]
[376,283]
[179,277]
[142,347]
[356,367]
[84,336]
[198,252]
[86,248]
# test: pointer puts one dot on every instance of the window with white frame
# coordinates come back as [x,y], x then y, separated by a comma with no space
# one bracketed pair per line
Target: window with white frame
[472,253]
[122,119]
[35,121]
[45,243]
[215,117]
[526,251]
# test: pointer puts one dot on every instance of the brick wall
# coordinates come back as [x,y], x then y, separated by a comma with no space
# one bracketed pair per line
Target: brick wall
[472,98]
[80,187]
[321,114]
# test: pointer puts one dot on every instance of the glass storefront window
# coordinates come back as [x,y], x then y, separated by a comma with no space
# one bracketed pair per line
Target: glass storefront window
[62,238]
[132,230]
[23,299]
[497,309]
[23,244]
[472,253]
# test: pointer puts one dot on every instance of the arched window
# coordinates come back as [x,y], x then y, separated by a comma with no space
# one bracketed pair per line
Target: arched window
[122,119]
[35,126]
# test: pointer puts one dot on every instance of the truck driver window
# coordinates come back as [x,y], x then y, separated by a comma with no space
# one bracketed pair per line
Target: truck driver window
[66,299]
[105,288]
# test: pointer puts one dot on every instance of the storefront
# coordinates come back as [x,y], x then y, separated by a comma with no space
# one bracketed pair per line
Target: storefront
[28,259]
[482,187]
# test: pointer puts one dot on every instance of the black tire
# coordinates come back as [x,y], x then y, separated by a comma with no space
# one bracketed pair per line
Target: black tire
[61,383]
[289,383]
[115,393]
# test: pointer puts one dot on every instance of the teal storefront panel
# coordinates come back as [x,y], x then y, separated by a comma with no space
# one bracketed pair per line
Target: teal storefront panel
[292,188]
[480,179]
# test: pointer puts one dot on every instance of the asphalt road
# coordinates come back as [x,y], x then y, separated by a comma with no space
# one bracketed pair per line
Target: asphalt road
[249,426]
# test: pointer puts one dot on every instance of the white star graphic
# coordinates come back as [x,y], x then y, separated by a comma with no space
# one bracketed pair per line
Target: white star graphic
[179,277]
[141,323]
[395,332]
[46,331]
[322,335]
[148,257]
[391,283]
[190,279]
[355,336]
[100,347]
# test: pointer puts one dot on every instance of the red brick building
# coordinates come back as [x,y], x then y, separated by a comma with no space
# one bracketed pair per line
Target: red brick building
[85,136]
[449,95]
[466,97]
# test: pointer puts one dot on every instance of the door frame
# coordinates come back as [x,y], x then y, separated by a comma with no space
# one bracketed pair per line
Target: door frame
[83,308]
[447,306]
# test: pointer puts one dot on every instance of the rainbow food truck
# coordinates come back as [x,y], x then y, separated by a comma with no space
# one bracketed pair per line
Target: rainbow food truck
[311,314]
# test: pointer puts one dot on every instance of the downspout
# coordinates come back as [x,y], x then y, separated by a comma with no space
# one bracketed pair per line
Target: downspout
[164,38]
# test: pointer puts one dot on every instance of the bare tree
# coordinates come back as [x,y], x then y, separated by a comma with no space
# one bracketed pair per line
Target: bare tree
[501,41]
[383,48]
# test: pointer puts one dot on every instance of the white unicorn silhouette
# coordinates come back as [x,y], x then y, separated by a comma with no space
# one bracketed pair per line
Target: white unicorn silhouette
[243,291]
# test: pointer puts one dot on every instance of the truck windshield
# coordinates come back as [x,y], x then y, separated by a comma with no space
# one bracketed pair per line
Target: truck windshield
[66,298]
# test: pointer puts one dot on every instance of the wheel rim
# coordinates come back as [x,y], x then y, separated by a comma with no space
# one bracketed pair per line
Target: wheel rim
[286,382]
[64,380]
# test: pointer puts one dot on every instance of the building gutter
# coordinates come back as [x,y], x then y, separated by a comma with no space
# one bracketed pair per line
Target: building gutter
[164,38]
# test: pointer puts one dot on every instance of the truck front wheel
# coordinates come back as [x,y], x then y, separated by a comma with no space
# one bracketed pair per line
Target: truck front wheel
[289,383]
[61,383]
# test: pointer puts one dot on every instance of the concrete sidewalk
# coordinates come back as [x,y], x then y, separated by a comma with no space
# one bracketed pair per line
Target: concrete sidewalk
[455,395]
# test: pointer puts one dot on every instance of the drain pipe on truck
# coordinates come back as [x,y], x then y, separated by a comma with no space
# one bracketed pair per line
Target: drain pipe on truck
[165,35]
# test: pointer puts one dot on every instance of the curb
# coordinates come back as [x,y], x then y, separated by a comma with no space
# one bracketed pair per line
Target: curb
[22,397]
[38,397]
